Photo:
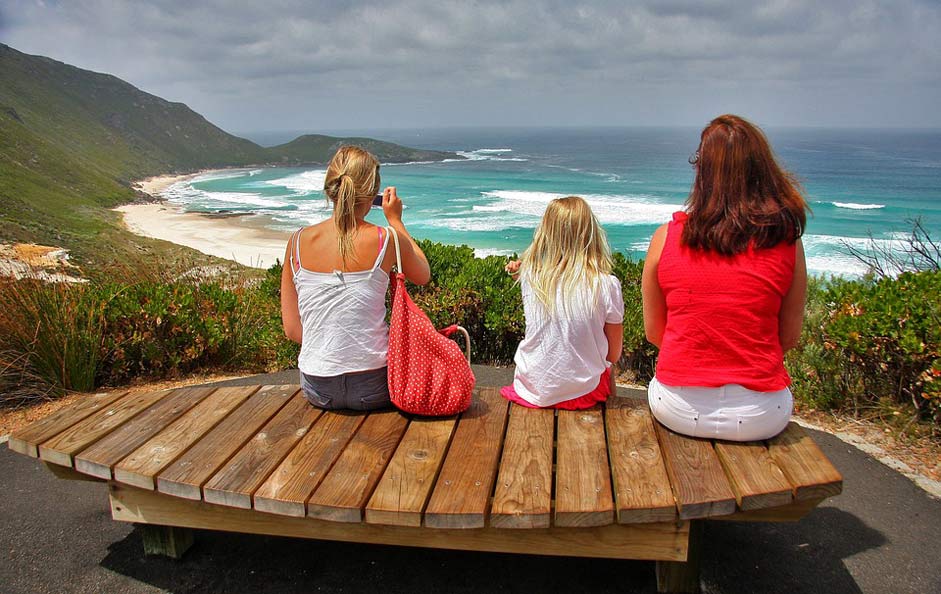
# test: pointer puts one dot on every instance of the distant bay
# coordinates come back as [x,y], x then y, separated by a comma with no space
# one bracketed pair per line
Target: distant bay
[858,183]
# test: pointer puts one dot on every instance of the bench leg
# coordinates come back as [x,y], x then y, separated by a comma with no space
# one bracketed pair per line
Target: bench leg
[169,541]
[678,576]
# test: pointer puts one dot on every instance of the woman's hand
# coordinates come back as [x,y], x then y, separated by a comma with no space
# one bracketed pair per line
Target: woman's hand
[391,205]
[512,268]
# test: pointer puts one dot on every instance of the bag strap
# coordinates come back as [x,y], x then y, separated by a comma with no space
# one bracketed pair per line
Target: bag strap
[398,252]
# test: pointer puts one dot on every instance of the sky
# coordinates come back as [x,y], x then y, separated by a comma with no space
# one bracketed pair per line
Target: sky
[309,65]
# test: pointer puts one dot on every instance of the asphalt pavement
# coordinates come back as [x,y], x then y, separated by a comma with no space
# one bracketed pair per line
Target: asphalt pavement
[880,535]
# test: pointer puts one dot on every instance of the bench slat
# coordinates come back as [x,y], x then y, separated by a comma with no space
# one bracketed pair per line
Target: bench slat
[98,458]
[27,440]
[287,489]
[462,493]
[583,476]
[241,476]
[523,495]
[641,486]
[810,473]
[699,484]
[757,481]
[186,476]
[345,490]
[403,490]
[142,465]
[61,448]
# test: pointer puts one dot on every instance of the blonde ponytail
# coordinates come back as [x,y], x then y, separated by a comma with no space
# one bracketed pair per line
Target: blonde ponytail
[352,179]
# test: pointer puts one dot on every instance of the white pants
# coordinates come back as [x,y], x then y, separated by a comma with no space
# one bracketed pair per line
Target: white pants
[730,412]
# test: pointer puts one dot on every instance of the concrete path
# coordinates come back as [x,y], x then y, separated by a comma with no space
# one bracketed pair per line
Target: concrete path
[880,536]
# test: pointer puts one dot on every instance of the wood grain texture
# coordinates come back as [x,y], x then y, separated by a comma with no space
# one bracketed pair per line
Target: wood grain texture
[238,478]
[99,458]
[345,490]
[809,472]
[755,478]
[141,466]
[287,489]
[583,477]
[62,448]
[791,512]
[27,439]
[462,494]
[665,541]
[523,495]
[188,473]
[700,486]
[403,491]
[642,491]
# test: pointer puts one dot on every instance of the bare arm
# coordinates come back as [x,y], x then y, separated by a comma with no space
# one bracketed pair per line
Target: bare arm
[615,335]
[791,318]
[655,305]
[414,263]
[290,315]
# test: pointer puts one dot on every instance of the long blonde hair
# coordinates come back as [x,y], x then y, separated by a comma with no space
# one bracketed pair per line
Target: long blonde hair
[569,252]
[352,179]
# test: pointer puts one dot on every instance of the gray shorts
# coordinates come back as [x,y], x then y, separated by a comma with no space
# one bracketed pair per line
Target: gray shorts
[359,390]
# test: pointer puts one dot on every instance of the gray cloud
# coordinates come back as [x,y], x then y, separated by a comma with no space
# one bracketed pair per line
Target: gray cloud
[290,64]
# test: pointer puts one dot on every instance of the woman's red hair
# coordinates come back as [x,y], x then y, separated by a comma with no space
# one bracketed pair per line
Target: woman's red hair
[741,196]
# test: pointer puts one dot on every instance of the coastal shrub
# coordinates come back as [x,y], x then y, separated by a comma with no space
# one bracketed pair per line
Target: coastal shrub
[871,341]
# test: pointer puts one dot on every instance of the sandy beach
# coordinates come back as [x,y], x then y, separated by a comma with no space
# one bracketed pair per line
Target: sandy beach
[157,184]
[244,238]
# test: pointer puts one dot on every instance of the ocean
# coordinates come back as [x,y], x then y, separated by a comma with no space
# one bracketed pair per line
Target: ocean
[862,185]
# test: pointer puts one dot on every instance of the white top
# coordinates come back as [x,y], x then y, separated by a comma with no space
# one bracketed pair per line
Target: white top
[563,357]
[343,318]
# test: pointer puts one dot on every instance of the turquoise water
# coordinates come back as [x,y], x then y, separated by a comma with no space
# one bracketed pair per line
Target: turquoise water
[858,182]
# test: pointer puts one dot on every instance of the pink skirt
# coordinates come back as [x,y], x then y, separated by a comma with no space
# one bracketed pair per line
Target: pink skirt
[599,394]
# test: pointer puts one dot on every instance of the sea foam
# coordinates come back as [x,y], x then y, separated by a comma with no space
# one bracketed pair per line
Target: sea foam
[857,206]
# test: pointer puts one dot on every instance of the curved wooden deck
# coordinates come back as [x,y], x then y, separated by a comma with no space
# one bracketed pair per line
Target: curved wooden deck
[261,459]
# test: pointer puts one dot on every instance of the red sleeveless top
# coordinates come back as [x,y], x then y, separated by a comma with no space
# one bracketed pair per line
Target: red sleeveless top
[722,314]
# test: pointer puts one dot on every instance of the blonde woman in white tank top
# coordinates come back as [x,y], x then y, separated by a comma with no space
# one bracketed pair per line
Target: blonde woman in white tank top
[333,288]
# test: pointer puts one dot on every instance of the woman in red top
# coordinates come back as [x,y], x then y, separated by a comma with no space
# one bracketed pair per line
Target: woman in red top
[724,285]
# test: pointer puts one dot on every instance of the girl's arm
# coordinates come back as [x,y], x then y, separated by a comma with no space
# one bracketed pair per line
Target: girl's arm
[290,316]
[414,263]
[615,335]
[655,305]
[791,317]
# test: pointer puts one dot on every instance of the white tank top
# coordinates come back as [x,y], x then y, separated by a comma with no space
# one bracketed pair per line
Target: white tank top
[342,316]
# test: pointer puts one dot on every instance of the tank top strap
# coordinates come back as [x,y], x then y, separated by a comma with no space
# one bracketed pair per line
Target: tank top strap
[383,244]
[295,251]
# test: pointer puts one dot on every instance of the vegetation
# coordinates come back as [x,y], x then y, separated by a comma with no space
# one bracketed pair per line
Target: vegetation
[871,346]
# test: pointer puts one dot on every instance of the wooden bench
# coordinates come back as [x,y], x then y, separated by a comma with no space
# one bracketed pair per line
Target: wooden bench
[606,482]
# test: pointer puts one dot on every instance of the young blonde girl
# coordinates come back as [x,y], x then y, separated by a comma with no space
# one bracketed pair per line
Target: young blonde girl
[333,288]
[573,309]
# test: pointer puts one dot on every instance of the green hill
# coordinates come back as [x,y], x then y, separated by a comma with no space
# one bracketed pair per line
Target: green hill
[72,140]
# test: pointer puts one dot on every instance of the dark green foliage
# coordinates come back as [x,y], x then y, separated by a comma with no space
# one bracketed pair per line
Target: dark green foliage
[317,148]
[873,341]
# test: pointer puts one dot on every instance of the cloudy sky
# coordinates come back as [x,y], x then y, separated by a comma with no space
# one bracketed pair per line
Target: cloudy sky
[345,64]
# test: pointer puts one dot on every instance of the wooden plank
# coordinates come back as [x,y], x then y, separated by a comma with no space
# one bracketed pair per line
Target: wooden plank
[642,491]
[238,478]
[523,496]
[27,440]
[61,448]
[791,512]
[700,486]
[664,541]
[755,478]
[287,489]
[462,493]
[188,473]
[98,458]
[810,473]
[345,490]
[403,490]
[583,477]
[68,473]
[142,465]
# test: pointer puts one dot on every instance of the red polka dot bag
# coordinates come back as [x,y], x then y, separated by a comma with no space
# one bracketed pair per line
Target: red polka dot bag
[428,373]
